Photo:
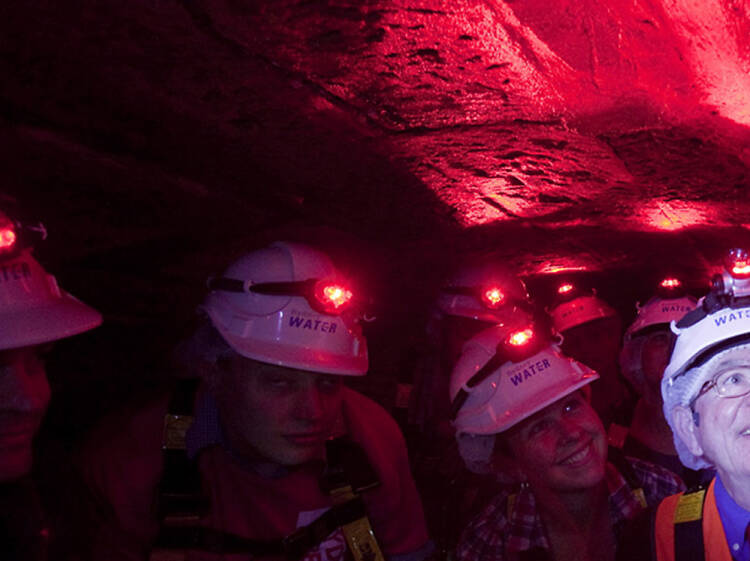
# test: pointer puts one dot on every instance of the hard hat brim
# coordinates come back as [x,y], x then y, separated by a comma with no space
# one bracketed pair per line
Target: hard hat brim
[64,317]
[310,359]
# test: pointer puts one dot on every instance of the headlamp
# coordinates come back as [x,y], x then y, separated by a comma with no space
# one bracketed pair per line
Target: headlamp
[729,289]
[8,239]
[519,345]
[492,296]
[734,281]
[670,288]
[15,236]
[564,289]
[327,296]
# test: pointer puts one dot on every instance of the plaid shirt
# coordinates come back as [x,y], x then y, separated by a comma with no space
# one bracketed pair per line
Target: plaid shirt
[501,533]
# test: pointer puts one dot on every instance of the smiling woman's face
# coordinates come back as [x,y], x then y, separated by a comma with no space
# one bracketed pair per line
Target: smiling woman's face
[561,448]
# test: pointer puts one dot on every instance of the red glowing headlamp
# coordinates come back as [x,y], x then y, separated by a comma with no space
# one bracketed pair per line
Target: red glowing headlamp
[8,239]
[518,345]
[738,264]
[567,291]
[16,235]
[671,287]
[491,296]
[327,296]
[565,288]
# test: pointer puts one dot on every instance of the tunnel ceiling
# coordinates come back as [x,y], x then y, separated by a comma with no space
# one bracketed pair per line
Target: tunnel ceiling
[157,139]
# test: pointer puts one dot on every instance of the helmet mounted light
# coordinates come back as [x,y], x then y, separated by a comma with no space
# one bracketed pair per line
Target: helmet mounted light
[670,288]
[16,236]
[520,344]
[730,289]
[8,239]
[327,296]
[332,296]
[670,283]
[493,297]
[565,288]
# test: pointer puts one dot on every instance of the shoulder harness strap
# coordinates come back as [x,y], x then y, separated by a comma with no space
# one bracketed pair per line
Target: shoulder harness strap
[348,473]
[181,503]
[688,526]
[180,497]
[292,547]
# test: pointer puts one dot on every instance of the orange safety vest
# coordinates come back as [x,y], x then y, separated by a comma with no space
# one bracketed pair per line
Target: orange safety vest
[674,510]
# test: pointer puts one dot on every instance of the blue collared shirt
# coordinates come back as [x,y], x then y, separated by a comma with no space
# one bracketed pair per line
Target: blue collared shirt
[735,519]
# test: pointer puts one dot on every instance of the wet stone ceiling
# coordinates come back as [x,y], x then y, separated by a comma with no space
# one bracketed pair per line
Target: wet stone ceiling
[158,139]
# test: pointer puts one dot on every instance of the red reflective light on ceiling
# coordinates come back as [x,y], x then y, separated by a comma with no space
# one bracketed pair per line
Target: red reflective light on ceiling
[520,338]
[333,296]
[493,297]
[7,238]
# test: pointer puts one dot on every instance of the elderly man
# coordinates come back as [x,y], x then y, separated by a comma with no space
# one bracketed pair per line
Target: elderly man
[285,461]
[705,390]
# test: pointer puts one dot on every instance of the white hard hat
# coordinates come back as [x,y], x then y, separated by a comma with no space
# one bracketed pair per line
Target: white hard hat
[496,383]
[662,309]
[287,305]
[667,306]
[484,291]
[575,308]
[33,308]
[720,322]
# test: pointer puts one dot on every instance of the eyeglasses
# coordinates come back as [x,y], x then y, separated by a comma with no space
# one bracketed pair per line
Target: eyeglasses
[734,382]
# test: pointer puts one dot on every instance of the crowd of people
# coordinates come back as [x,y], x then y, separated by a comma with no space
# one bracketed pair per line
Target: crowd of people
[535,432]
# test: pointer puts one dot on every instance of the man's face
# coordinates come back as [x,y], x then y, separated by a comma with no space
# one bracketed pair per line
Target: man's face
[723,430]
[654,359]
[278,414]
[595,343]
[561,448]
[24,397]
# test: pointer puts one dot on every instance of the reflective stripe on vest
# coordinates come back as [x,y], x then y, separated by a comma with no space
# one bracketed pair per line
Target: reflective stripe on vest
[685,509]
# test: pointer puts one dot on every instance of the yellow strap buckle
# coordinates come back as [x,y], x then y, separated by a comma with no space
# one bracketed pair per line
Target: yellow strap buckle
[175,427]
[358,533]
[689,507]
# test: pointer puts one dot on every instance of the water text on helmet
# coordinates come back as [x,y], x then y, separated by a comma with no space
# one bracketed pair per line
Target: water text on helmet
[526,371]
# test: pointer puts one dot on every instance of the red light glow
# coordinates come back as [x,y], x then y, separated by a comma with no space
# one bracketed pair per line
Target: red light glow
[7,238]
[493,297]
[671,283]
[520,338]
[334,296]
[741,269]
[674,215]
[565,288]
